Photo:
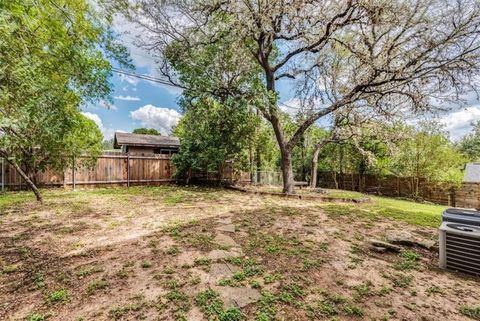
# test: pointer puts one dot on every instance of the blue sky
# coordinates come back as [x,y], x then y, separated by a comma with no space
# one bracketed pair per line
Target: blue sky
[136,103]
[141,103]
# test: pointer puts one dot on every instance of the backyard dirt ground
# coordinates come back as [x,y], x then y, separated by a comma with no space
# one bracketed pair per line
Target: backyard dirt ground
[186,253]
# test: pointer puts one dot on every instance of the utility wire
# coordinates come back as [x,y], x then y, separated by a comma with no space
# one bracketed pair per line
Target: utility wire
[166,82]
[145,77]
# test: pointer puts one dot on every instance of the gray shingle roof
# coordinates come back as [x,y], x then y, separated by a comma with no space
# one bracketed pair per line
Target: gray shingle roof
[130,139]
[472,173]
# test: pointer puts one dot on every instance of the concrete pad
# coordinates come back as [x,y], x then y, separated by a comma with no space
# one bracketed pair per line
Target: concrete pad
[226,228]
[225,240]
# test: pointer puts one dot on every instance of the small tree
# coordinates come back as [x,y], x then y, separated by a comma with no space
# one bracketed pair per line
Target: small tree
[427,153]
[470,144]
[211,134]
[54,57]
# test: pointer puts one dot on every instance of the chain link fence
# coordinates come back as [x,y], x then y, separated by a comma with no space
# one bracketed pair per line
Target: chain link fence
[267,178]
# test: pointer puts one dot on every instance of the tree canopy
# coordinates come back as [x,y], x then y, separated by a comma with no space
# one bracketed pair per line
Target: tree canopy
[470,144]
[370,57]
[146,131]
[54,57]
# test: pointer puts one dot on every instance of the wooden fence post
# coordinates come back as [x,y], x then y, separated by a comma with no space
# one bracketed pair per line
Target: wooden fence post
[452,199]
[128,170]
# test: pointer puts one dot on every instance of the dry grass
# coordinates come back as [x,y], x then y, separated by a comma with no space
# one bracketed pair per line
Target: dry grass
[139,254]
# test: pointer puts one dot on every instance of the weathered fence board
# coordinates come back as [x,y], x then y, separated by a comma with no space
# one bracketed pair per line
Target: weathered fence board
[109,169]
[393,186]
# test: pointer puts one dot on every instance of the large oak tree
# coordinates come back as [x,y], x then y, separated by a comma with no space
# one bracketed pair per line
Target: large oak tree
[390,57]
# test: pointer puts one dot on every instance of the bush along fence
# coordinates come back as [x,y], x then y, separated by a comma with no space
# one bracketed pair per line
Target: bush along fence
[109,170]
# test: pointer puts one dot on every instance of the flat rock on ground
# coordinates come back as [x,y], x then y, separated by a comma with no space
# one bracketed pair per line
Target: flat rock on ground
[222,254]
[225,220]
[226,228]
[427,244]
[400,238]
[225,240]
[240,297]
[220,270]
[388,246]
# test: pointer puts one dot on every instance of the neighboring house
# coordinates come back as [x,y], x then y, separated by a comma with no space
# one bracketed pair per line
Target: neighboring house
[472,173]
[138,144]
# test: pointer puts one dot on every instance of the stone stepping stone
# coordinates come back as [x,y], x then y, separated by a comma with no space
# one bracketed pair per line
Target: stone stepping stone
[226,228]
[400,238]
[238,296]
[225,220]
[388,246]
[225,240]
[221,270]
[222,254]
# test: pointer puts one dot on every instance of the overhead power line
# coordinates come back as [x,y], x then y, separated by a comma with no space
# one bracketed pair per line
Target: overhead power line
[167,83]
[145,77]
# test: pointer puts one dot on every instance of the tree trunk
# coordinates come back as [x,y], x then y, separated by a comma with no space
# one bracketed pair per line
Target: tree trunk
[258,156]
[313,179]
[286,154]
[285,149]
[287,171]
[27,180]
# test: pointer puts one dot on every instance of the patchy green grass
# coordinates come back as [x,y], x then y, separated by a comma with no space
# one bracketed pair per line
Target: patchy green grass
[336,193]
[96,285]
[36,317]
[409,261]
[59,296]
[212,307]
[9,199]
[420,214]
[472,312]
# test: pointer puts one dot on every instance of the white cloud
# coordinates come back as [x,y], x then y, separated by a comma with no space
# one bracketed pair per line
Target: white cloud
[107,132]
[127,98]
[459,123]
[162,119]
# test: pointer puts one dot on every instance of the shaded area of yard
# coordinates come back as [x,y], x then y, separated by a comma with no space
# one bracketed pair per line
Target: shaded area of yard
[156,254]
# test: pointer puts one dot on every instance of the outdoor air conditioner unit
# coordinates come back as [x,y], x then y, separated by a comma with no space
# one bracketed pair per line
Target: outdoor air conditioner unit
[462,216]
[459,246]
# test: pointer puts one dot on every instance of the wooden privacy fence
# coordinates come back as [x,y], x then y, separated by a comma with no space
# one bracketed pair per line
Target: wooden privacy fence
[408,187]
[110,169]
[468,195]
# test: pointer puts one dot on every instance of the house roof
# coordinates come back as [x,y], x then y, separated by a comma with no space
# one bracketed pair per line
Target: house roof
[130,139]
[472,173]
